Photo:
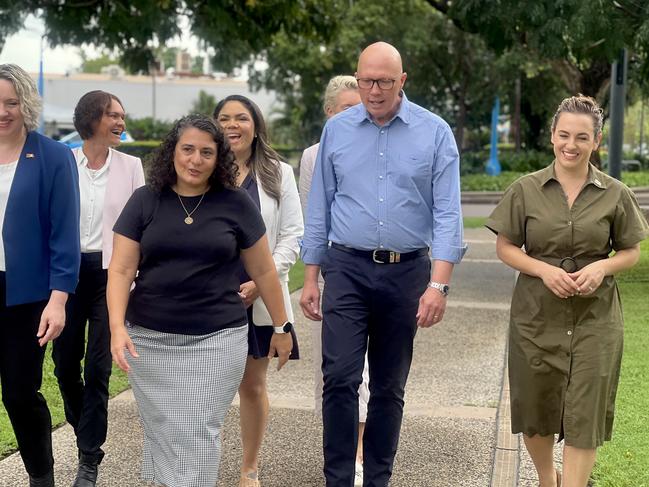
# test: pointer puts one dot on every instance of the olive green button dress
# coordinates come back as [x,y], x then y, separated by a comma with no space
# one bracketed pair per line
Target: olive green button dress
[564,354]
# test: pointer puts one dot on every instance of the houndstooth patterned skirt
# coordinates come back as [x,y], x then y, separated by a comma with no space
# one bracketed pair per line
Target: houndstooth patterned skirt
[183,386]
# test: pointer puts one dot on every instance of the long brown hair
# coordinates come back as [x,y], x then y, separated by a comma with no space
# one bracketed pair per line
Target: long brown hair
[264,161]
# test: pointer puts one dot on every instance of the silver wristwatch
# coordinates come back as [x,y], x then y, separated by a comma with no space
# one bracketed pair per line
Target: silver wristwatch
[442,288]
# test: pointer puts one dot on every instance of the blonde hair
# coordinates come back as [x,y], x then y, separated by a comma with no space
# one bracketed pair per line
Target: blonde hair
[334,87]
[30,100]
[584,105]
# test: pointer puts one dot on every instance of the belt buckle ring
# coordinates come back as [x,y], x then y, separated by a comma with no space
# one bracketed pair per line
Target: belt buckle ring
[375,258]
[392,256]
[570,264]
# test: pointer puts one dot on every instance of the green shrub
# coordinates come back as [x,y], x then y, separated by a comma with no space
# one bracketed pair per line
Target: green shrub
[635,179]
[484,182]
[510,161]
[141,148]
[148,129]
[524,161]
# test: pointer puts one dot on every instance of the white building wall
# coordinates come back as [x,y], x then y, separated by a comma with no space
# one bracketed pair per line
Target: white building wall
[173,97]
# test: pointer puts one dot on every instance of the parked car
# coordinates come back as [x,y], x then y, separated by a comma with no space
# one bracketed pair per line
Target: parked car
[73,139]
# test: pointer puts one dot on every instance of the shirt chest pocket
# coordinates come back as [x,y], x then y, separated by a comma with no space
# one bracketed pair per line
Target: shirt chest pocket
[412,168]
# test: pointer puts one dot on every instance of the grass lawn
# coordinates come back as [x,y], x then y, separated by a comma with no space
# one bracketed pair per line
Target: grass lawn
[474,221]
[624,462]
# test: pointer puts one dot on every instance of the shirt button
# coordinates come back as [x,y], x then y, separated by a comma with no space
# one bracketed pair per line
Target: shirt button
[381,154]
[381,246]
[569,223]
[382,131]
[381,200]
[380,177]
[569,332]
[381,223]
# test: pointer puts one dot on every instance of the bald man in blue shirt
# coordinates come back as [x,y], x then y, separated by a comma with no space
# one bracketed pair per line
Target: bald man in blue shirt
[385,198]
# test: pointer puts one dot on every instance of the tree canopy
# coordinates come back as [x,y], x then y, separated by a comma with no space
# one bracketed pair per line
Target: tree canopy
[458,54]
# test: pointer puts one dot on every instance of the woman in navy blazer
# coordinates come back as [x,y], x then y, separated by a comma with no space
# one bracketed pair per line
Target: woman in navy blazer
[39,262]
[107,178]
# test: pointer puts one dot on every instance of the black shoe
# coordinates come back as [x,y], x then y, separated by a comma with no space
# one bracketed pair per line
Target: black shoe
[86,475]
[46,480]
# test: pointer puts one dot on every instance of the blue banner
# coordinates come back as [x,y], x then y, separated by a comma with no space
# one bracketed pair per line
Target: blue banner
[493,165]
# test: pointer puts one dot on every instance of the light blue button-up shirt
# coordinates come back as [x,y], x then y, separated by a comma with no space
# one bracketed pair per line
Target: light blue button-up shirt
[393,187]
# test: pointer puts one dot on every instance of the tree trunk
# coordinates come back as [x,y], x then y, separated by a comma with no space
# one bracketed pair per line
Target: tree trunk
[460,123]
[516,120]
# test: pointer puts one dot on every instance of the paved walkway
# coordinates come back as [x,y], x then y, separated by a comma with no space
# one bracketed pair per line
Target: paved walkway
[450,435]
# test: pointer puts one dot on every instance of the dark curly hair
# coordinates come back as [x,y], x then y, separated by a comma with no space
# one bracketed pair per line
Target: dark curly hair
[161,172]
[89,110]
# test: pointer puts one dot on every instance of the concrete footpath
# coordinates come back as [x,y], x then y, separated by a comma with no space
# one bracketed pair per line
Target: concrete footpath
[453,434]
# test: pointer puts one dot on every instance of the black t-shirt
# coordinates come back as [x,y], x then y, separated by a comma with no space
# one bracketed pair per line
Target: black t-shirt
[187,280]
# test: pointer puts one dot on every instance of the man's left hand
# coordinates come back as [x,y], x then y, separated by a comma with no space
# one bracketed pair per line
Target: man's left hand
[432,306]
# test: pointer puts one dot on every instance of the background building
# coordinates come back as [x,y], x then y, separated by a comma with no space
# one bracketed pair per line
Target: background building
[165,98]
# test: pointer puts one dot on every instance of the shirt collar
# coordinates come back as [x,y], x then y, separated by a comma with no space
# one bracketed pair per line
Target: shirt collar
[594,176]
[82,160]
[404,112]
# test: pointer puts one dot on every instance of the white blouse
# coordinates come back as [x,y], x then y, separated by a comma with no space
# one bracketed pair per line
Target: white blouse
[92,191]
[7,173]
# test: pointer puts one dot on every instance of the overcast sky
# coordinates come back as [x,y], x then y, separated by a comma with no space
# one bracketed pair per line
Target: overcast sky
[23,48]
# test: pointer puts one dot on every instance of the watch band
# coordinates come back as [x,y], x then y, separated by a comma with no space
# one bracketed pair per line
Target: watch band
[285,328]
[442,288]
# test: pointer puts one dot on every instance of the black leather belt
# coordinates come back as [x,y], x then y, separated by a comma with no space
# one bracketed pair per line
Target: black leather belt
[381,256]
[569,264]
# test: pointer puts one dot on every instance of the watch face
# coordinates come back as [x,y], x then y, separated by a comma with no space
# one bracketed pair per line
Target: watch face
[288,326]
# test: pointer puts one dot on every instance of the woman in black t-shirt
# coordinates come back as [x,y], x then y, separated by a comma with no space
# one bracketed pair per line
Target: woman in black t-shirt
[182,333]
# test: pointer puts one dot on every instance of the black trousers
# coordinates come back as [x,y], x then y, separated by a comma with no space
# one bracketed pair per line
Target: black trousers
[85,396]
[366,306]
[21,375]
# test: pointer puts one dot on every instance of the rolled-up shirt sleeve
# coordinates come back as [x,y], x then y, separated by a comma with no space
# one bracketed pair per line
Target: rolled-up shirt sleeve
[448,240]
[318,214]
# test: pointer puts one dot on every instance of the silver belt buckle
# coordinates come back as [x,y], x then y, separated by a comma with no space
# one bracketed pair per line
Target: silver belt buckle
[394,257]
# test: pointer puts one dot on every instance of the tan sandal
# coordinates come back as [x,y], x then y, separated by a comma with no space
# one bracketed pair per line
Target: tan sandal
[558,478]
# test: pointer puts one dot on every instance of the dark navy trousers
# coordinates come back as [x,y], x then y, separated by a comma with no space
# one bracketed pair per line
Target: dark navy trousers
[366,306]
[21,375]
[85,392]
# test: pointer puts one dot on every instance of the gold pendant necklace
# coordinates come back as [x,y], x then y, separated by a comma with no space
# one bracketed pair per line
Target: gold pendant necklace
[189,220]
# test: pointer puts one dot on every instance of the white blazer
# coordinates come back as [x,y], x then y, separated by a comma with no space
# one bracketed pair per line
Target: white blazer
[284,229]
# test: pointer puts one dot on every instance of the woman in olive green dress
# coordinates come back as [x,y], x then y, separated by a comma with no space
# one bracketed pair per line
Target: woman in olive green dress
[566,329]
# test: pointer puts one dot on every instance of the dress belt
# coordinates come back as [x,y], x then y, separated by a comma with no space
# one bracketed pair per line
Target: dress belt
[381,256]
[569,264]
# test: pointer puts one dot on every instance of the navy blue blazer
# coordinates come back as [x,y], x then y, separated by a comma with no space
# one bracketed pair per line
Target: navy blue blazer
[40,232]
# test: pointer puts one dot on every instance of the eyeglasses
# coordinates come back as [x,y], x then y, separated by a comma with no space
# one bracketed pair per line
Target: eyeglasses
[368,84]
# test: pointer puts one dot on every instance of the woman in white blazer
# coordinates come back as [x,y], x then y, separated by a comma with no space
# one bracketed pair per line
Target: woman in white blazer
[107,178]
[271,185]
